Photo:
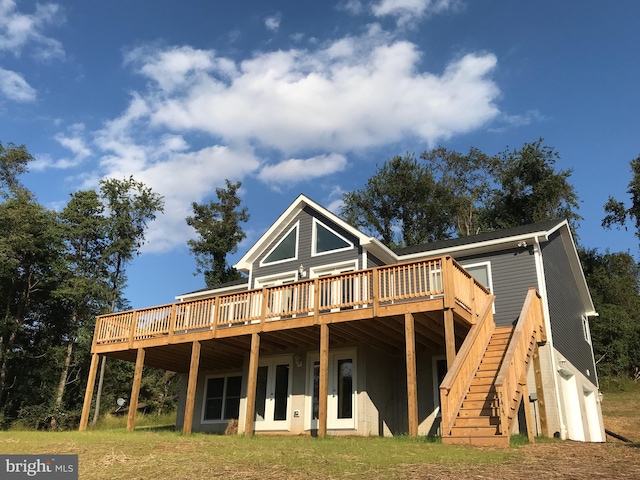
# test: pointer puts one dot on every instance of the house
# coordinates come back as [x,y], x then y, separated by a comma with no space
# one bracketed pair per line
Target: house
[331,332]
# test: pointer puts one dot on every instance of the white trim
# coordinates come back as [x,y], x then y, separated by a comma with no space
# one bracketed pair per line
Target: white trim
[542,289]
[295,227]
[333,423]
[350,265]
[271,362]
[276,279]
[489,276]
[224,398]
[212,292]
[314,238]
[436,386]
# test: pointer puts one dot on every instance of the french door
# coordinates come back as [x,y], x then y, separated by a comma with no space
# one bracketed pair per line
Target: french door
[341,401]
[273,391]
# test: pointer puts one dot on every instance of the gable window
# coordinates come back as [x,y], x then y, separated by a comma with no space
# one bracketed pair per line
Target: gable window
[222,398]
[285,250]
[326,240]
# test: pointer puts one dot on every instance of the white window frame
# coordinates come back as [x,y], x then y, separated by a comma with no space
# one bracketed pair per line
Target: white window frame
[276,425]
[224,397]
[489,275]
[314,236]
[296,226]
[586,330]
[436,386]
[333,423]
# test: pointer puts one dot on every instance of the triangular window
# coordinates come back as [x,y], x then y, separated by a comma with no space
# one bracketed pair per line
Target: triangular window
[286,249]
[326,240]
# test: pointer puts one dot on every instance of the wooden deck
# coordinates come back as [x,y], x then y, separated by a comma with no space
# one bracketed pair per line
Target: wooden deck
[367,305]
[432,304]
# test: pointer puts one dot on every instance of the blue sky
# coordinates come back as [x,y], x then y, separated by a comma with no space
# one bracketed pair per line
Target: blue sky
[308,97]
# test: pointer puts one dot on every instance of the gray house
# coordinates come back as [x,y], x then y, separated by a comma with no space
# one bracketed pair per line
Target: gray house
[333,333]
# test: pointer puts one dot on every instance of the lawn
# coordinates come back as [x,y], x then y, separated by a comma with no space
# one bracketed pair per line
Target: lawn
[163,454]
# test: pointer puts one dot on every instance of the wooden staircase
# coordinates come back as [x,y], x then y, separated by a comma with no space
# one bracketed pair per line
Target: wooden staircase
[478,420]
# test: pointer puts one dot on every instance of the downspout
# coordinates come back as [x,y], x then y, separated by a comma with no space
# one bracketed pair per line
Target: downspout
[537,250]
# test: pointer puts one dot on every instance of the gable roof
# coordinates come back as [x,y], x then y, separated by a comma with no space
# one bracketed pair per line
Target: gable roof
[373,245]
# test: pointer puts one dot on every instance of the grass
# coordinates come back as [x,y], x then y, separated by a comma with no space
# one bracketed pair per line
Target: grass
[620,407]
[119,454]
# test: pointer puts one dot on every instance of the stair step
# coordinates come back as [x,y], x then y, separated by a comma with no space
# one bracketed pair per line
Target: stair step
[490,441]
[477,421]
[485,388]
[475,431]
[480,404]
[479,396]
[488,411]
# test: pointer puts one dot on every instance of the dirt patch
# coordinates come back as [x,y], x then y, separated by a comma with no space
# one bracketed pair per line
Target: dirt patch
[566,460]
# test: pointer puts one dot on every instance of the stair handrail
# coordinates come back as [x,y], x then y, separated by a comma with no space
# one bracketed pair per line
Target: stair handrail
[512,373]
[456,382]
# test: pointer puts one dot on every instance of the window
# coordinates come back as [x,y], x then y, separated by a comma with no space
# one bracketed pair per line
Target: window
[326,240]
[482,273]
[222,398]
[585,329]
[286,249]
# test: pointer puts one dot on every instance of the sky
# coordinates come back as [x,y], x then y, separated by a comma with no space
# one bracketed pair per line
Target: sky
[293,97]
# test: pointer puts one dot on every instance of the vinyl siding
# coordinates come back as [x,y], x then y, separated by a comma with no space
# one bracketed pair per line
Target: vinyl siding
[513,272]
[305,238]
[565,307]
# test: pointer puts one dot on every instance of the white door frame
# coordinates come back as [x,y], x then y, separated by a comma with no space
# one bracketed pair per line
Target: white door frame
[268,423]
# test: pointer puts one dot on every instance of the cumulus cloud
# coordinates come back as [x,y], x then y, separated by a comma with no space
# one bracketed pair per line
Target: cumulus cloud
[295,170]
[14,87]
[20,30]
[273,22]
[203,117]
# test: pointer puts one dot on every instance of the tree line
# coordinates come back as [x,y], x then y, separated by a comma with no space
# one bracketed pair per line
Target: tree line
[60,269]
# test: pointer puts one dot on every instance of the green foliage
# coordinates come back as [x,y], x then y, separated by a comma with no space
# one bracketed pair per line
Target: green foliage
[402,204]
[13,163]
[407,202]
[530,189]
[614,282]
[217,225]
[616,211]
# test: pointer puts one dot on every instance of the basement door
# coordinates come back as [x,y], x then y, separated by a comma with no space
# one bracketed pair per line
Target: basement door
[273,391]
[341,405]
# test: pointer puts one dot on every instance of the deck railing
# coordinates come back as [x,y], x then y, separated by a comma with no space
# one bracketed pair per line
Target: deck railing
[359,289]
[512,375]
[455,384]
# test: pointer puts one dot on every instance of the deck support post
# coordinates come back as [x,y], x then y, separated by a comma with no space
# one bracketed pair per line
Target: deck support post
[542,405]
[323,387]
[88,394]
[135,390]
[191,388]
[528,418]
[412,383]
[250,411]
[449,337]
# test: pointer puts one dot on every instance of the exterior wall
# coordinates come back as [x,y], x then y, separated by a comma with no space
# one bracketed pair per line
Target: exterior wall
[513,272]
[565,309]
[305,232]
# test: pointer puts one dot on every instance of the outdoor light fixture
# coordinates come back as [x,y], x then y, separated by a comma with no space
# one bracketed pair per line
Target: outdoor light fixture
[302,271]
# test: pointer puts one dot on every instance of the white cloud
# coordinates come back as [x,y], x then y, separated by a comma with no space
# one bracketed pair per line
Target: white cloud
[350,94]
[296,170]
[15,87]
[19,30]
[308,108]
[409,11]
[273,22]
[354,7]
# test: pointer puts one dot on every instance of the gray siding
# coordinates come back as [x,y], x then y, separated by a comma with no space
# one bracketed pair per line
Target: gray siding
[513,272]
[305,236]
[565,307]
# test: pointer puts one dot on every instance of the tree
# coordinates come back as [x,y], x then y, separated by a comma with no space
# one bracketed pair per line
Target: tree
[129,205]
[530,189]
[217,225]
[614,283]
[616,212]
[83,287]
[13,163]
[402,204]
[468,180]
